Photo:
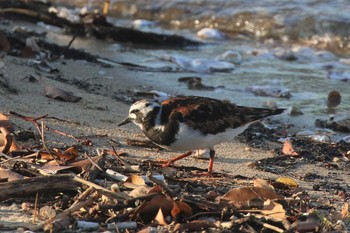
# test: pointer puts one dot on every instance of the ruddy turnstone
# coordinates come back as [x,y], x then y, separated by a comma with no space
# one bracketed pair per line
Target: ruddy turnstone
[192,122]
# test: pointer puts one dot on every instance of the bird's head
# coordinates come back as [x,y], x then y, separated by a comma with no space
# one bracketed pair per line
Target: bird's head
[138,111]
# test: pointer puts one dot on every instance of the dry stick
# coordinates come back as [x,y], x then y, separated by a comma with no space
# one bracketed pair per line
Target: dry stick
[269,226]
[166,189]
[35,207]
[66,212]
[119,158]
[100,189]
[44,144]
[34,121]
[30,119]
[93,162]
[64,134]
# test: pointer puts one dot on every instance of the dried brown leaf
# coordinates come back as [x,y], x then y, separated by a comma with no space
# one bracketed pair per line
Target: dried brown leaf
[10,175]
[139,191]
[59,94]
[274,210]
[240,195]
[160,218]
[262,184]
[136,179]
[7,141]
[345,211]
[155,189]
[181,209]
[5,122]
[53,169]
[149,210]
[288,148]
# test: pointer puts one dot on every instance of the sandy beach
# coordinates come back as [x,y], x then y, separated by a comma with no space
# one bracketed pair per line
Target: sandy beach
[106,93]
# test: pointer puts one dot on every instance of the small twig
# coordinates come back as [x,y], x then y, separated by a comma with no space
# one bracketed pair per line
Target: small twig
[142,143]
[93,162]
[100,189]
[83,195]
[35,208]
[269,226]
[66,212]
[166,189]
[32,120]
[119,158]
[44,144]
[64,134]
[70,43]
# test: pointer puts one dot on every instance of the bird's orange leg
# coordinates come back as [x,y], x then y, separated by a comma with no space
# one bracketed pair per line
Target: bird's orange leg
[211,161]
[171,161]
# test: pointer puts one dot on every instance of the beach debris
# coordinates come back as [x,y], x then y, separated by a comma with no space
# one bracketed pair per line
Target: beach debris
[44,66]
[143,23]
[154,94]
[338,75]
[294,111]
[7,141]
[272,91]
[316,135]
[211,34]
[31,48]
[288,148]
[333,99]
[195,83]
[5,122]
[269,104]
[4,43]
[341,125]
[232,56]
[200,65]
[59,94]
[287,181]
[5,80]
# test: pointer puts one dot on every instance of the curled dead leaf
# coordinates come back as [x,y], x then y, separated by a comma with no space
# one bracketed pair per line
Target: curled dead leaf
[10,175]
[31,48]
[245,194]
[345,211]
[148,210]
[6,123]
[7,141]
[160,218]
[135,179]
[288,148]
[262,184]
[181,209]
[273,210]
[59,94]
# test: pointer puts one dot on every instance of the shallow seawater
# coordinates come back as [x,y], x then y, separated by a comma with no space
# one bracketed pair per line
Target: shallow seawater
[292,45]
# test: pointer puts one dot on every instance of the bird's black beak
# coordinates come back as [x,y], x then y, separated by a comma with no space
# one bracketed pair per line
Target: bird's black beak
[126,121]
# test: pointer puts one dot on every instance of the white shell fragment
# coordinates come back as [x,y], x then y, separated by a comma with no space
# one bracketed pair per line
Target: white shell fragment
[211,34]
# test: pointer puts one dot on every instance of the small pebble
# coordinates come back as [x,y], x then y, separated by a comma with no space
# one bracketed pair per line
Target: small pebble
[334,99]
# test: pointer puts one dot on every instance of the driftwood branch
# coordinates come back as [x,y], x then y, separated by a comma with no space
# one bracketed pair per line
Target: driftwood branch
[37,184]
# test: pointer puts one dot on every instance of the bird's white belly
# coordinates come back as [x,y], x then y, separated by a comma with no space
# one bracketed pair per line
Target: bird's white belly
[189,139]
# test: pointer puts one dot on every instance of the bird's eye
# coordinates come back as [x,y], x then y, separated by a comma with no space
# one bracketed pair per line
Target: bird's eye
[147,104]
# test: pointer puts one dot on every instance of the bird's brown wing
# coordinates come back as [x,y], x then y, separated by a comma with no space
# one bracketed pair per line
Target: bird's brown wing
[209,115]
